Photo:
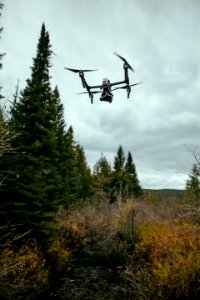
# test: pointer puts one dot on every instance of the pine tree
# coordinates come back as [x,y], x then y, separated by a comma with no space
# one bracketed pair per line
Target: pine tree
[118,178]
[192,189]
[133,187]
[70,168]
[124,183]
[84,174]
[119,161]
[60,133]
[78,182]
[102,177]
[33,190]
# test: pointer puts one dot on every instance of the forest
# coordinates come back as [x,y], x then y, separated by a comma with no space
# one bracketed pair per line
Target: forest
[69,232]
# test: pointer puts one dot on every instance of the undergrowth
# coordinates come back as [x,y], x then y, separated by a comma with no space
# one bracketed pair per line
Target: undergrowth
[145,249]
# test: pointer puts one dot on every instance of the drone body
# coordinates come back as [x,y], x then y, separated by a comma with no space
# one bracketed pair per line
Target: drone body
[106,86]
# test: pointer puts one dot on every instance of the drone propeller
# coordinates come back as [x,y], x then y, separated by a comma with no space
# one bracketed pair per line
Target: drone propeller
[124,60]
[93,92]
[78,71]
[124,87]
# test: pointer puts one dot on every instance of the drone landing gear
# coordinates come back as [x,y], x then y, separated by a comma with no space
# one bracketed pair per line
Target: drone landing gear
[91,97]
[128,91]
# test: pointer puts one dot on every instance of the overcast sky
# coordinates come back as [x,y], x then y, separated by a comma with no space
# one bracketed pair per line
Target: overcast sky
[160,39]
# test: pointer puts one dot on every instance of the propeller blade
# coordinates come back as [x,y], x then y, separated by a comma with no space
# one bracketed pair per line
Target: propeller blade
[121,87]
[120,57]
[77,71]
[131,68]
[73,70]
[125,86]
[124,60]
[94,92]
[135,83]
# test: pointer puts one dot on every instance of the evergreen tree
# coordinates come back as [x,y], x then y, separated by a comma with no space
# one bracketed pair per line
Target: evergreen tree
[84,175]
[70,168]
[118,178]
[33,190]
[59,122]
[102,176]
[119,161]
[124,181]
[192,189]
[133,187]
[77,173]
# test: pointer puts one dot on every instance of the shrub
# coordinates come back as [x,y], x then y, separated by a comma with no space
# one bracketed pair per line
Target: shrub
[169,259]
[24,270]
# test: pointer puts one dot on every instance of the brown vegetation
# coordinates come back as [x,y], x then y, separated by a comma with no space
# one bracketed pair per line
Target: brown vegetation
[142,250]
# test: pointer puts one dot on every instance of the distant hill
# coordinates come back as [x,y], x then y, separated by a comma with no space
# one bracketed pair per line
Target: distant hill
[166,194]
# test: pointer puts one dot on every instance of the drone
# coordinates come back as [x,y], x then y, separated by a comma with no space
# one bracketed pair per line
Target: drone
[106,87]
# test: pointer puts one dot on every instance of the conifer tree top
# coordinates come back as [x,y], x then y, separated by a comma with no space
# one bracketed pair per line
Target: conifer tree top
[41,63]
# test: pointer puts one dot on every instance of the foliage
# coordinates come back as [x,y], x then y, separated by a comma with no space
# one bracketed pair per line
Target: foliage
[102,177]
[192,194]
[34,185]
[83,171]
[99,231]
[76,173]
[124,181]
[118,183]
[59,251]
[24,269]
[133,187]
[164,195]
[170,254]
[192,189]
[151,255]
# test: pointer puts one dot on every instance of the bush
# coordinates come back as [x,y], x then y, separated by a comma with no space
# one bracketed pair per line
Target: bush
[24,271]
[102,232]
[168,259]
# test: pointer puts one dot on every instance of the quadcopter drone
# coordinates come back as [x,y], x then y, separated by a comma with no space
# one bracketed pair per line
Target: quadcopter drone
[106,86]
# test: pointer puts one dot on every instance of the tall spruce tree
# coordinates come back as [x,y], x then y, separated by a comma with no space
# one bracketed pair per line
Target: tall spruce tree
[33,190]
[102,177]
[60,132]
[124,182]
[70,168]
[84,174]
[77,180]
[118,178]
[133,187]
[192,189]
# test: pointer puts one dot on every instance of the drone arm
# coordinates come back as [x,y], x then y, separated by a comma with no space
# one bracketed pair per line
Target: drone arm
[116,83]
[128,91]
[126,74]
[84,83]
[95,87]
